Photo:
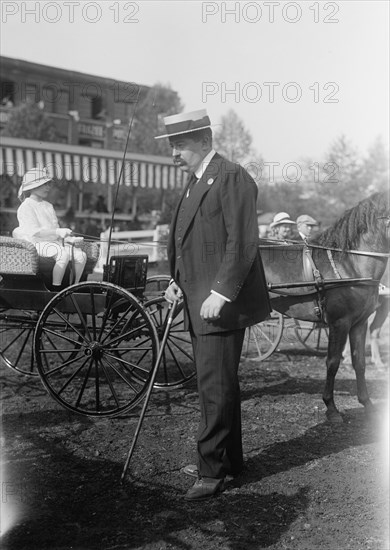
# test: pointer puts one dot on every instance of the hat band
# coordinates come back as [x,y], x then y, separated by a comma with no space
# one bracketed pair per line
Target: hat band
[187,126]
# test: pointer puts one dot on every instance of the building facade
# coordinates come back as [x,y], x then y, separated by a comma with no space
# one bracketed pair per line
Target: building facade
[87,110]
[91,115]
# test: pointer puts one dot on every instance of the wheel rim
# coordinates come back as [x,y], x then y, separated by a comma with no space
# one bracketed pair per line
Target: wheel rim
[95,348]
[177,364]
[16,340]
[262,339]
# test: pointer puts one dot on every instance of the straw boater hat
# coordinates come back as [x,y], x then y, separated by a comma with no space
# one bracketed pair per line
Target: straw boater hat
[308,220]
[280,218]
[184,123]
[32,179]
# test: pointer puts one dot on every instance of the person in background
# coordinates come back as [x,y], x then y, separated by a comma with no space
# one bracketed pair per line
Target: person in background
[281,226]
[216,268]
[306,225]
[100,205]
[38,223]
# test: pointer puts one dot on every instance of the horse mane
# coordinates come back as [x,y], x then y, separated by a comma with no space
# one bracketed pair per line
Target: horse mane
[358,225]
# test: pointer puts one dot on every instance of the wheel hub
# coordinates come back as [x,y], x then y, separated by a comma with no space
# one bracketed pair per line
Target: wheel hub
[94,350]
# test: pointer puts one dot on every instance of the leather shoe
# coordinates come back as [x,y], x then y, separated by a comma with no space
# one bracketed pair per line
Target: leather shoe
[192,470]
[204,488]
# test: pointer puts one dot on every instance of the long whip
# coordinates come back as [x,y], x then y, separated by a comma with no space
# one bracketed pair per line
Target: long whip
[150,387]
[120,177]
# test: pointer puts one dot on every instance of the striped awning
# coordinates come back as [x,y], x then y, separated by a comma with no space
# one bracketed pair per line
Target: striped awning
[85,164]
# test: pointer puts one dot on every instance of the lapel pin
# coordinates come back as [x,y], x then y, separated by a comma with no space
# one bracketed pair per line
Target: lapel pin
[210,181]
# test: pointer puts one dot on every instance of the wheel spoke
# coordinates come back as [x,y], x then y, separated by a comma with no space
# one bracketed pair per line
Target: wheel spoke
[86,377]
[99,361]
[81,316]
[74,375]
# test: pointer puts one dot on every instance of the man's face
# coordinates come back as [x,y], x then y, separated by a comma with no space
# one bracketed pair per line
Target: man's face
[305,229]
[187,153]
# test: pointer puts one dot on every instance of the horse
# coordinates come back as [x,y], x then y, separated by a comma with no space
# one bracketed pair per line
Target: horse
[334,277]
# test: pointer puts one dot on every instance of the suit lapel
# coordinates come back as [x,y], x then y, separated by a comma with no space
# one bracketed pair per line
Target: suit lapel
[198,192]
[171,236]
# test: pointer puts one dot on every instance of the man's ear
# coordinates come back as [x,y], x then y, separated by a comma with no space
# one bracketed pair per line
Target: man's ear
[206,142]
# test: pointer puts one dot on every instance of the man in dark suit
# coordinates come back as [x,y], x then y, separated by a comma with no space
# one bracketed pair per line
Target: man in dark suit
[216,269]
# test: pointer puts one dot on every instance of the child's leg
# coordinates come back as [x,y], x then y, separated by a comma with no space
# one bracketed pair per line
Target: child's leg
[59,254]
[79,261]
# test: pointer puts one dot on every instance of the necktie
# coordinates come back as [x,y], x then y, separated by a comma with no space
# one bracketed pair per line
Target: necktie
[193,180]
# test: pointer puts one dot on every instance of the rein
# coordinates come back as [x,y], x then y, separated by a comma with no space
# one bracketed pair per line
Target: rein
[361,252]
[310,245]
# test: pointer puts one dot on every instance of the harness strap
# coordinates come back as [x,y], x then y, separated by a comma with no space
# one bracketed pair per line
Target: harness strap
[326,286]
[316,273]
[332,263]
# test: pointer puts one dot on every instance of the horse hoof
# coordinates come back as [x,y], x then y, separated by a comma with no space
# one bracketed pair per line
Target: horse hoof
[334,417]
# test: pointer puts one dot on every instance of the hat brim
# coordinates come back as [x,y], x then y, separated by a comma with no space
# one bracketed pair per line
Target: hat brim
[284,222]
[185,132]
[33,185]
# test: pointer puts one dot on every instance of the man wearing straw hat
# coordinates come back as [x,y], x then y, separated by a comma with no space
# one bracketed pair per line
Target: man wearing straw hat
[216,268]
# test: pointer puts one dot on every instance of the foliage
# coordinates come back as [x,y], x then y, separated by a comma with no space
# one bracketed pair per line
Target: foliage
[343,179]
[156,103]
[232,140]
[29,121]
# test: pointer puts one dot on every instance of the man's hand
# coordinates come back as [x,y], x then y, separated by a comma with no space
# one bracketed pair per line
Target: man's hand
[173,293]
[211,308]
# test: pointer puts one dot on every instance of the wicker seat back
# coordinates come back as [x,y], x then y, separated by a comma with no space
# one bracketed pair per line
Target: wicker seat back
[19,257]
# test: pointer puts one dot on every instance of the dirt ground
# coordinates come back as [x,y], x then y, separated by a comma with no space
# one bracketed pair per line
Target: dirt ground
[307,484]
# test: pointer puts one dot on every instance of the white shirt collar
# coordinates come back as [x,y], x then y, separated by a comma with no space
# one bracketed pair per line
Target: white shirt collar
[203,165]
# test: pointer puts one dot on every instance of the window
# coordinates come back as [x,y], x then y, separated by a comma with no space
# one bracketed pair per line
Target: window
[31,93]
[7,93]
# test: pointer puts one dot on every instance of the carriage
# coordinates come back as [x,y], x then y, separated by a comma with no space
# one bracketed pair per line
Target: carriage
[46,334]
[95,344]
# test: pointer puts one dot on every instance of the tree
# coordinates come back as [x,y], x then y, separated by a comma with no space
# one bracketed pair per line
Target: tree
[341,182]
[156,103]
[375,170]
[232,139]
[29,121]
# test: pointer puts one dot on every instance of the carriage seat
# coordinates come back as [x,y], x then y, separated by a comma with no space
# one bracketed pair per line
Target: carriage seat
[20,257]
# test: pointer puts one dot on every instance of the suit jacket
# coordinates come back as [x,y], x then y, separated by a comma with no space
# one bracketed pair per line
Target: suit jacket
[219,248]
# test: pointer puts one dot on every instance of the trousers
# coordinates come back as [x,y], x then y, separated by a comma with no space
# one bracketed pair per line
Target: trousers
[219,438]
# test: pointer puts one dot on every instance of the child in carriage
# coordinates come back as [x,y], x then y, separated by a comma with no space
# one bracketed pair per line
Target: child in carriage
[38,223]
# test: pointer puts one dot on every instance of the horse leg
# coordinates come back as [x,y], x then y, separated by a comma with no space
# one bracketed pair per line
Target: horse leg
[357,337]
[337,339]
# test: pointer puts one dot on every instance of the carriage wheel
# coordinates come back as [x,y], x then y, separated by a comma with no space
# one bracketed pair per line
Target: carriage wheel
[177,364]
[156,286]
[95,348]
[16,340]
[313,336]
[261,340]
